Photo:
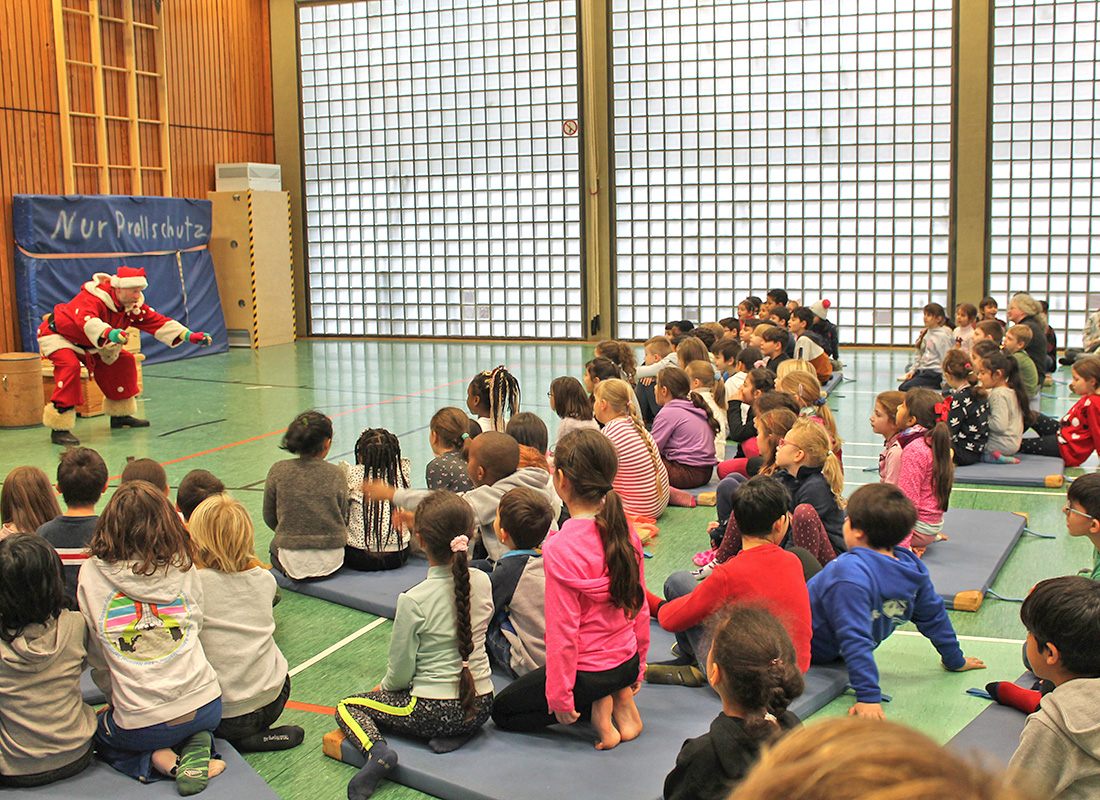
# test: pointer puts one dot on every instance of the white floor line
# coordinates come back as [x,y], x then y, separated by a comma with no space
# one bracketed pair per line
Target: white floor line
[992,639]
[328,651]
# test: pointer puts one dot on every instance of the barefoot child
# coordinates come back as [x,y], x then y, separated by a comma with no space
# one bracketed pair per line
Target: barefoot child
[437,684]
[597,620]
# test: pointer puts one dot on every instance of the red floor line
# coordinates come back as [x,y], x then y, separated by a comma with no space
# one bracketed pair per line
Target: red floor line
[276,433]
[296,706]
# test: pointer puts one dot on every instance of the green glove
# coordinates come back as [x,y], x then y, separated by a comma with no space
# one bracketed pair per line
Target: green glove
[117,335]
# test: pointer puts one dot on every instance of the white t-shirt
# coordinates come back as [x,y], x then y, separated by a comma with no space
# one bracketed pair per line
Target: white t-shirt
[298,564]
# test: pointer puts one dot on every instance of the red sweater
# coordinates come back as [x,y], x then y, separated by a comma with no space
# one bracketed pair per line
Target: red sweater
[767,574]
[1080,433]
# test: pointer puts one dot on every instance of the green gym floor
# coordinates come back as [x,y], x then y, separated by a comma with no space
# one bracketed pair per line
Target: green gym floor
[226,413]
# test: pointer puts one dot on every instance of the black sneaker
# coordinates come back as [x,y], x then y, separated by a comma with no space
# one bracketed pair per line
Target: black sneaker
[64,438]
[129,422]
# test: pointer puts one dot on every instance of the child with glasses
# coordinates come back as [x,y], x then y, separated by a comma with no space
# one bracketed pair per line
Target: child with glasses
[1082,512]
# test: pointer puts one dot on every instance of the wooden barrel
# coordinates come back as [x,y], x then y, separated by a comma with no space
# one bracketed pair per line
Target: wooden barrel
[20,390]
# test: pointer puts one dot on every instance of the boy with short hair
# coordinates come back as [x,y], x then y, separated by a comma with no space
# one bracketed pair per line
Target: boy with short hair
[1059,752]
[987,308]
[516,638]
[145,469]
[725,353]
[731,328]
[196,486]
[659,353]
[82,480]
[989,330]
[1017,338]
[864,595]
[1083,515]
[808,345]
[773,344]
[762,572]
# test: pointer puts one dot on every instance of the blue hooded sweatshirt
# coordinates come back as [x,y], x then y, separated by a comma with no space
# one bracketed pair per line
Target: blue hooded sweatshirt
[860,598]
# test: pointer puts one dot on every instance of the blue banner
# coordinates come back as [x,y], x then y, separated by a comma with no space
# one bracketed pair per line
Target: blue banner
[62,241]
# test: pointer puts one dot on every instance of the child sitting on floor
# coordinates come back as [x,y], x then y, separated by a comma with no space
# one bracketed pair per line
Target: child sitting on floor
[773,344]
[864,595]
[641,480]
[145,469]
[1077,434]
[306,502]
[808,467]
[516,638]
[597,619]
[47,727]
[376,540]
[493,396]
[1083,515]
[968,418]
[659,354]
[196,486]
[493,460]
[752,665]
[82,480]
[706,385]
[1059,752]
[684,431]
[926,472]
[1009,408]
[988,330]
[26,501]
[739,423]
[572,405]
[449,430]
[1017,338]
[965,317]
[932,345]
[238,627]
[762,572]
[884,422]
[438,685]
[758,382]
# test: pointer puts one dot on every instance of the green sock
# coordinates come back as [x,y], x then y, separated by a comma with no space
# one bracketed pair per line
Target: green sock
[192,773]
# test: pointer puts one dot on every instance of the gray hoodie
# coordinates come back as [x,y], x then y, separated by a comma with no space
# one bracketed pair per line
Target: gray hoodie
[1059,752]
[485,499]
[44,724]
[143,642]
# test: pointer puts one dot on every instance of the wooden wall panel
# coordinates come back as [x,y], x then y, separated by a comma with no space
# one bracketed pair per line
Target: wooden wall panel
[218,60]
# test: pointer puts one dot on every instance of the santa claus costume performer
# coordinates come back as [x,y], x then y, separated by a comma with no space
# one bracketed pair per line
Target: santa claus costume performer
[90,330]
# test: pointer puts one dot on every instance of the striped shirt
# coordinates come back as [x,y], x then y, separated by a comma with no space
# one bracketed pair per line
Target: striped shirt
[636,480]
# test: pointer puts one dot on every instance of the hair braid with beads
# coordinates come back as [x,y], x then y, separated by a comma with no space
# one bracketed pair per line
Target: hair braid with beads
[379,451]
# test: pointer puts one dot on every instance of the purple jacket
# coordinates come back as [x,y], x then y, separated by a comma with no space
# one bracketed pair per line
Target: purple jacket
[683,435]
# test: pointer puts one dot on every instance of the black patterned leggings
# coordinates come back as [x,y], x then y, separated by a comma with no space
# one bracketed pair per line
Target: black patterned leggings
[1047,442]
[363,716]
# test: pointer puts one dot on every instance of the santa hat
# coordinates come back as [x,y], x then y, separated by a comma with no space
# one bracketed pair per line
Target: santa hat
[129,278]
[821,309]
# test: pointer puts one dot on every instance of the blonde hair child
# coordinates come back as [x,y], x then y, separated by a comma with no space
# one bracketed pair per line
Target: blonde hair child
[237,632]
[706,384]
[813,475]
[804,386]
[793,365]
[642,480]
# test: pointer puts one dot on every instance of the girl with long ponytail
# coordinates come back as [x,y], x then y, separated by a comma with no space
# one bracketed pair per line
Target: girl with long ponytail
[597,619]
[927,470]
[437,685]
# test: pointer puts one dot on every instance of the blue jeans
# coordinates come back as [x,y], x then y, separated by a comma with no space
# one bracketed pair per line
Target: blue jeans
[499,648]
[130,751]
[692,641]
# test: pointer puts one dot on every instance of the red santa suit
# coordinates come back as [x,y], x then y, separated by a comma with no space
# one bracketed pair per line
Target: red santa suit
[1080,433]
[76,334]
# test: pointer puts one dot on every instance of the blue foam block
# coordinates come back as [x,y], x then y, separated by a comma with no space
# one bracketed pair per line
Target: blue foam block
[238,782]
[373,592]
[535,761]
[834,381]
[1031,471]
[995,731]
[978,544]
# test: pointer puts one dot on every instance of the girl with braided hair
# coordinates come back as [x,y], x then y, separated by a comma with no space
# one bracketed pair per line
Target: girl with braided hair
[437,684]
[597,618]
[376,541]
[491,393]
[641,480]
[753,667]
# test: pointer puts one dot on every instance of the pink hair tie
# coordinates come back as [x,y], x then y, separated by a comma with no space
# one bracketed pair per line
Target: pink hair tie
[460,544]
[465,664]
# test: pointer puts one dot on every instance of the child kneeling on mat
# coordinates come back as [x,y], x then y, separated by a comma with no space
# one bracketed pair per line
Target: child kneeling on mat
[238,628]
[1059,752]
[517,633]
[597,619]
[864,595]
[47,727]
[753,667]
[437,685]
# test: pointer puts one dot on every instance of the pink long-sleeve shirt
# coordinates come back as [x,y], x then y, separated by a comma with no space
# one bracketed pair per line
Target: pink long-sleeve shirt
[915,480]
[584,631]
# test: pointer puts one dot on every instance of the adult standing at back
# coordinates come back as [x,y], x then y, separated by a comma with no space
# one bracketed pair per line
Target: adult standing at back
[1024,309]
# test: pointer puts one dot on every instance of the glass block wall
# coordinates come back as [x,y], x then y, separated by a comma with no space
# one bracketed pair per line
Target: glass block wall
[1046,180]
[761,143]
[442,191]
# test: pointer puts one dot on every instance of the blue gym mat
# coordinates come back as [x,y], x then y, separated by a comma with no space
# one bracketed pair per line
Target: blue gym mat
[373,592]
[1031,471]
[978,544]
[834,381]
[238,782]
[706,487]
[995,731]
[534,761]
